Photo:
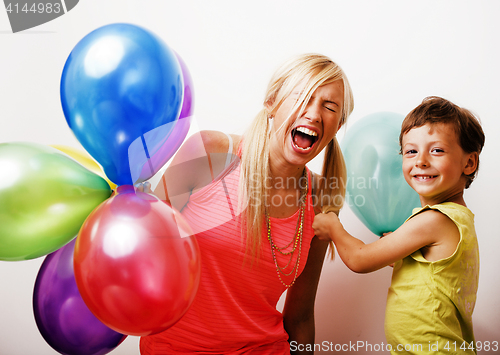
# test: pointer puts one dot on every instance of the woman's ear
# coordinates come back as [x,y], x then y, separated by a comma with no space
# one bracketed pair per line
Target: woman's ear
[269,108]
[471,163]
[340,126]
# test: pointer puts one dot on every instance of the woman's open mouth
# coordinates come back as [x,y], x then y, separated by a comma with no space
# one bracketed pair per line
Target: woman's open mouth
[303,138]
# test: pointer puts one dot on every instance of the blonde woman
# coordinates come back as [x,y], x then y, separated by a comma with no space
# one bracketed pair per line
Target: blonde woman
[251,202]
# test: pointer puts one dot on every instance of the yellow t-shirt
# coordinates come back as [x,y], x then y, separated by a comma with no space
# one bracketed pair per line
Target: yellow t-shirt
[430,304]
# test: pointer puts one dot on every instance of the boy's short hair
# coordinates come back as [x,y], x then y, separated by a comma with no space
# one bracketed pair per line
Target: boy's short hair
[434,110]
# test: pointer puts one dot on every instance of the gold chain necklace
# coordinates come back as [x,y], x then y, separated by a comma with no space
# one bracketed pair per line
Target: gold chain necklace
[296,241]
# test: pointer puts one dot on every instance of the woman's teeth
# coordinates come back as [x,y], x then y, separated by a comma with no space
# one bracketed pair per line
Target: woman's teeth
[303,149]
[303,138]
[306,131]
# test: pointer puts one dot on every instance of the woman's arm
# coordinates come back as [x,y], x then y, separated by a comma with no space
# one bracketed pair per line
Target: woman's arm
[428,230]
[298,312]
[195,165]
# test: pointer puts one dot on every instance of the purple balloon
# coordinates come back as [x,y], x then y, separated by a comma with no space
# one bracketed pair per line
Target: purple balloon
[62,317]
[179,131]
[187,102]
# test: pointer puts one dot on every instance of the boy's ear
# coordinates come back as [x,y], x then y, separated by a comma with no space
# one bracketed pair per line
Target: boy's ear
[471,164]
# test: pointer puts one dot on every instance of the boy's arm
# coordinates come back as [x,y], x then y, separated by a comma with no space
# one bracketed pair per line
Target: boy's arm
[427,229]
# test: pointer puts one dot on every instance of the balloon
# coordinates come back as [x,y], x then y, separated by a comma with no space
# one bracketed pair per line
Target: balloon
[137,264]
[179,131]
[45,197]
[62,317]
[86,160]
[376,190]
[121,93]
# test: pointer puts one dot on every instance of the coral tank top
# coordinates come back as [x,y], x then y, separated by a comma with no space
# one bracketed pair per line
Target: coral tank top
[234,311]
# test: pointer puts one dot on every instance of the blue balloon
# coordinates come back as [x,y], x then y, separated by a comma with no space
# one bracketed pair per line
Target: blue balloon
[121,93]
[376,190]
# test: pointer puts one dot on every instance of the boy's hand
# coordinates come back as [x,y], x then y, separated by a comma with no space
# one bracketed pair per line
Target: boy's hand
[324,225]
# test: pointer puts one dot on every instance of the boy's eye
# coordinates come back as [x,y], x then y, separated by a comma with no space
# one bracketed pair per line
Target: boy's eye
[329,108]
[438,150]
[411,151]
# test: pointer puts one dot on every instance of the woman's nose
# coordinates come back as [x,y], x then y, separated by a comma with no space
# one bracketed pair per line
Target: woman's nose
[313,112]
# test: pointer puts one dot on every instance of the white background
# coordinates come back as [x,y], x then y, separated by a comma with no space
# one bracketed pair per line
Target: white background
[395,53]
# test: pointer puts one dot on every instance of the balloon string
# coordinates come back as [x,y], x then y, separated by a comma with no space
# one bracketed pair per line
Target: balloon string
[151,170]
[164,185]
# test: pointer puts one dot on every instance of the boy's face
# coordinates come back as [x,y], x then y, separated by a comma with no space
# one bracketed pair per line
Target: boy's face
[434,164]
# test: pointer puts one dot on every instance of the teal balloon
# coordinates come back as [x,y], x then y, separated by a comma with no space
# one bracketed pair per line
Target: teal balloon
[376,190]
[45,196]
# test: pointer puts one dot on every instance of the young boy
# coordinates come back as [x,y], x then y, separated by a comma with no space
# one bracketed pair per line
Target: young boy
[435,252]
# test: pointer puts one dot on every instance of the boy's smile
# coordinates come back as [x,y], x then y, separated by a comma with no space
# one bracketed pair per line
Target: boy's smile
[435,165]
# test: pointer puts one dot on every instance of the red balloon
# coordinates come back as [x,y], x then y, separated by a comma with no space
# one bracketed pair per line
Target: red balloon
[136,263]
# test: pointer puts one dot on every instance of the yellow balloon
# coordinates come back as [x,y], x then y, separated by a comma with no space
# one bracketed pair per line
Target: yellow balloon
[86,160]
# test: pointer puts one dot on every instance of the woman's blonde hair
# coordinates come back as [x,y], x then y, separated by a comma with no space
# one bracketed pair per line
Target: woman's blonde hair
[313,70]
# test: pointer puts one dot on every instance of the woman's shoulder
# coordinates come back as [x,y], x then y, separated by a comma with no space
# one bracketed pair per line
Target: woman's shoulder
[216,141]
[208,142]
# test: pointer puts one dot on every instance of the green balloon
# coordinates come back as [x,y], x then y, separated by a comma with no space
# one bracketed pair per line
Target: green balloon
[45,196]
[376,190]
